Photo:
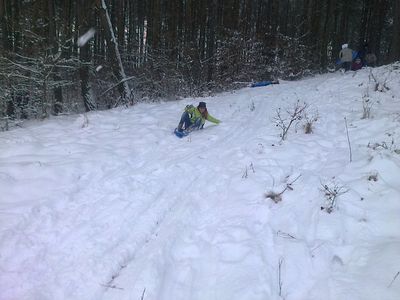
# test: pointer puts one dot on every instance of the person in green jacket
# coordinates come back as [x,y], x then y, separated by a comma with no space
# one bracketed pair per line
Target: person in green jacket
[193,118]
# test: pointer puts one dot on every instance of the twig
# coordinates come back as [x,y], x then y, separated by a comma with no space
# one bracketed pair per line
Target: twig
[377,83]
[285,235]
[245,173]
[315,248]
[117,84]
[144,291]
[293,116]
[280,276]
[331,193]
[111,286]
[394,278]
[289,185]
[293,181]
[277,197]
[348,139]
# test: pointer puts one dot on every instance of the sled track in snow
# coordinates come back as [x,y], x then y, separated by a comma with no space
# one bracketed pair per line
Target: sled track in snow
[179,210]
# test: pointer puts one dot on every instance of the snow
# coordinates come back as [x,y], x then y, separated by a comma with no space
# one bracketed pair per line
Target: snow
[111,205]
[83,39]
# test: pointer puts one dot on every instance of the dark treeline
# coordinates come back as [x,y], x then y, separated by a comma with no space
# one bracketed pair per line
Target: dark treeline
[76,55]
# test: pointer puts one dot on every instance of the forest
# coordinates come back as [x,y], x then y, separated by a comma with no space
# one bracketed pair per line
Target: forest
[59,57]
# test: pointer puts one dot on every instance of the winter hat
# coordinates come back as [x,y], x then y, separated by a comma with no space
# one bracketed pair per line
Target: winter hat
[202,104]
[345,46]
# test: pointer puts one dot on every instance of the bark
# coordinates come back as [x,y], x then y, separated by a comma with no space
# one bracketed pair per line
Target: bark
[325,38]
[53,43]
[5,18]
[395,49]
[118,67]
[85,58]
[211,22]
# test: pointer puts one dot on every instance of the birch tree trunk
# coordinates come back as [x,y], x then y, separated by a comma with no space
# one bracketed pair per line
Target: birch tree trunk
[118,68]
[84,57]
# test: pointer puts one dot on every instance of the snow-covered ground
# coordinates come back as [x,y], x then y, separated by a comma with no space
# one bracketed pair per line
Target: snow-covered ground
[111,205]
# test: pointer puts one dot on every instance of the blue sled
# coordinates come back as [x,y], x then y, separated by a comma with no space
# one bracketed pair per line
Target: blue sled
[263,83]
[180,134]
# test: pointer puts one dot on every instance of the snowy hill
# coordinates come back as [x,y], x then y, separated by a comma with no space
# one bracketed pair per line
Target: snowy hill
[111,205]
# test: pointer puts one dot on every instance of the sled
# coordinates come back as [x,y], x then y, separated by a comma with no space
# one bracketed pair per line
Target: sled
[181,134]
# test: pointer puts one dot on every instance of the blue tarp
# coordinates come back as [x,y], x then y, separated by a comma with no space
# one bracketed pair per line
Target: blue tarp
[261,83]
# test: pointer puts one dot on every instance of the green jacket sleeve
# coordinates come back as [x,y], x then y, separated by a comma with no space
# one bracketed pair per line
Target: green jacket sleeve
[212,119]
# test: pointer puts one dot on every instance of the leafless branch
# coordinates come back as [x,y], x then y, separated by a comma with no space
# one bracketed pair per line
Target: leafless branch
[331,193]
[277,197]
[394,278]
[284,123]
[348,139]
[285,235]
[109,286]
[144,291]
[280,283]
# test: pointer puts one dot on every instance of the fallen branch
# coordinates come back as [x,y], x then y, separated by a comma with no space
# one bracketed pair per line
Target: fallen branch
[285,235]
[143,294]
[111,286]
[117,84]
[394,278]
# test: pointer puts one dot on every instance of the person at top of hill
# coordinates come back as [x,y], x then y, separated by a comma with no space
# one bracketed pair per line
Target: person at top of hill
[370,59]
[193,118]
[362,52]
[357,64]
[346,56]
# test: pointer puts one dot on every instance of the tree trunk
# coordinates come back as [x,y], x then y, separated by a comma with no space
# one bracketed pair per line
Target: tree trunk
[365,17]
[394,54]
[5,47]
[53,43]
[378,15]
[16,26]
[210,38]
[85,58]
[118,67]
[5,17]
[325,36]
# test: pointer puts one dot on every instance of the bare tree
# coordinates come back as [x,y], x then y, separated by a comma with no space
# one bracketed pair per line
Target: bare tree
[113,48]
[395,49]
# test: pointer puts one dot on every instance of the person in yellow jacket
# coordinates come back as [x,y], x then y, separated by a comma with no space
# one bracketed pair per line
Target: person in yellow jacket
[193,118]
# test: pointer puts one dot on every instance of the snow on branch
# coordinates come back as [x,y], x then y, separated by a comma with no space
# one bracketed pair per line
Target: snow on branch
[82,40]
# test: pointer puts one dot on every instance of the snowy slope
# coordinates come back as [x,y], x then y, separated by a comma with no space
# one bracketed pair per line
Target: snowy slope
[111,205]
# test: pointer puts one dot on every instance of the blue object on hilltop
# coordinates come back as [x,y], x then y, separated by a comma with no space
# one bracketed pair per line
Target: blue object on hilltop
[261,83]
